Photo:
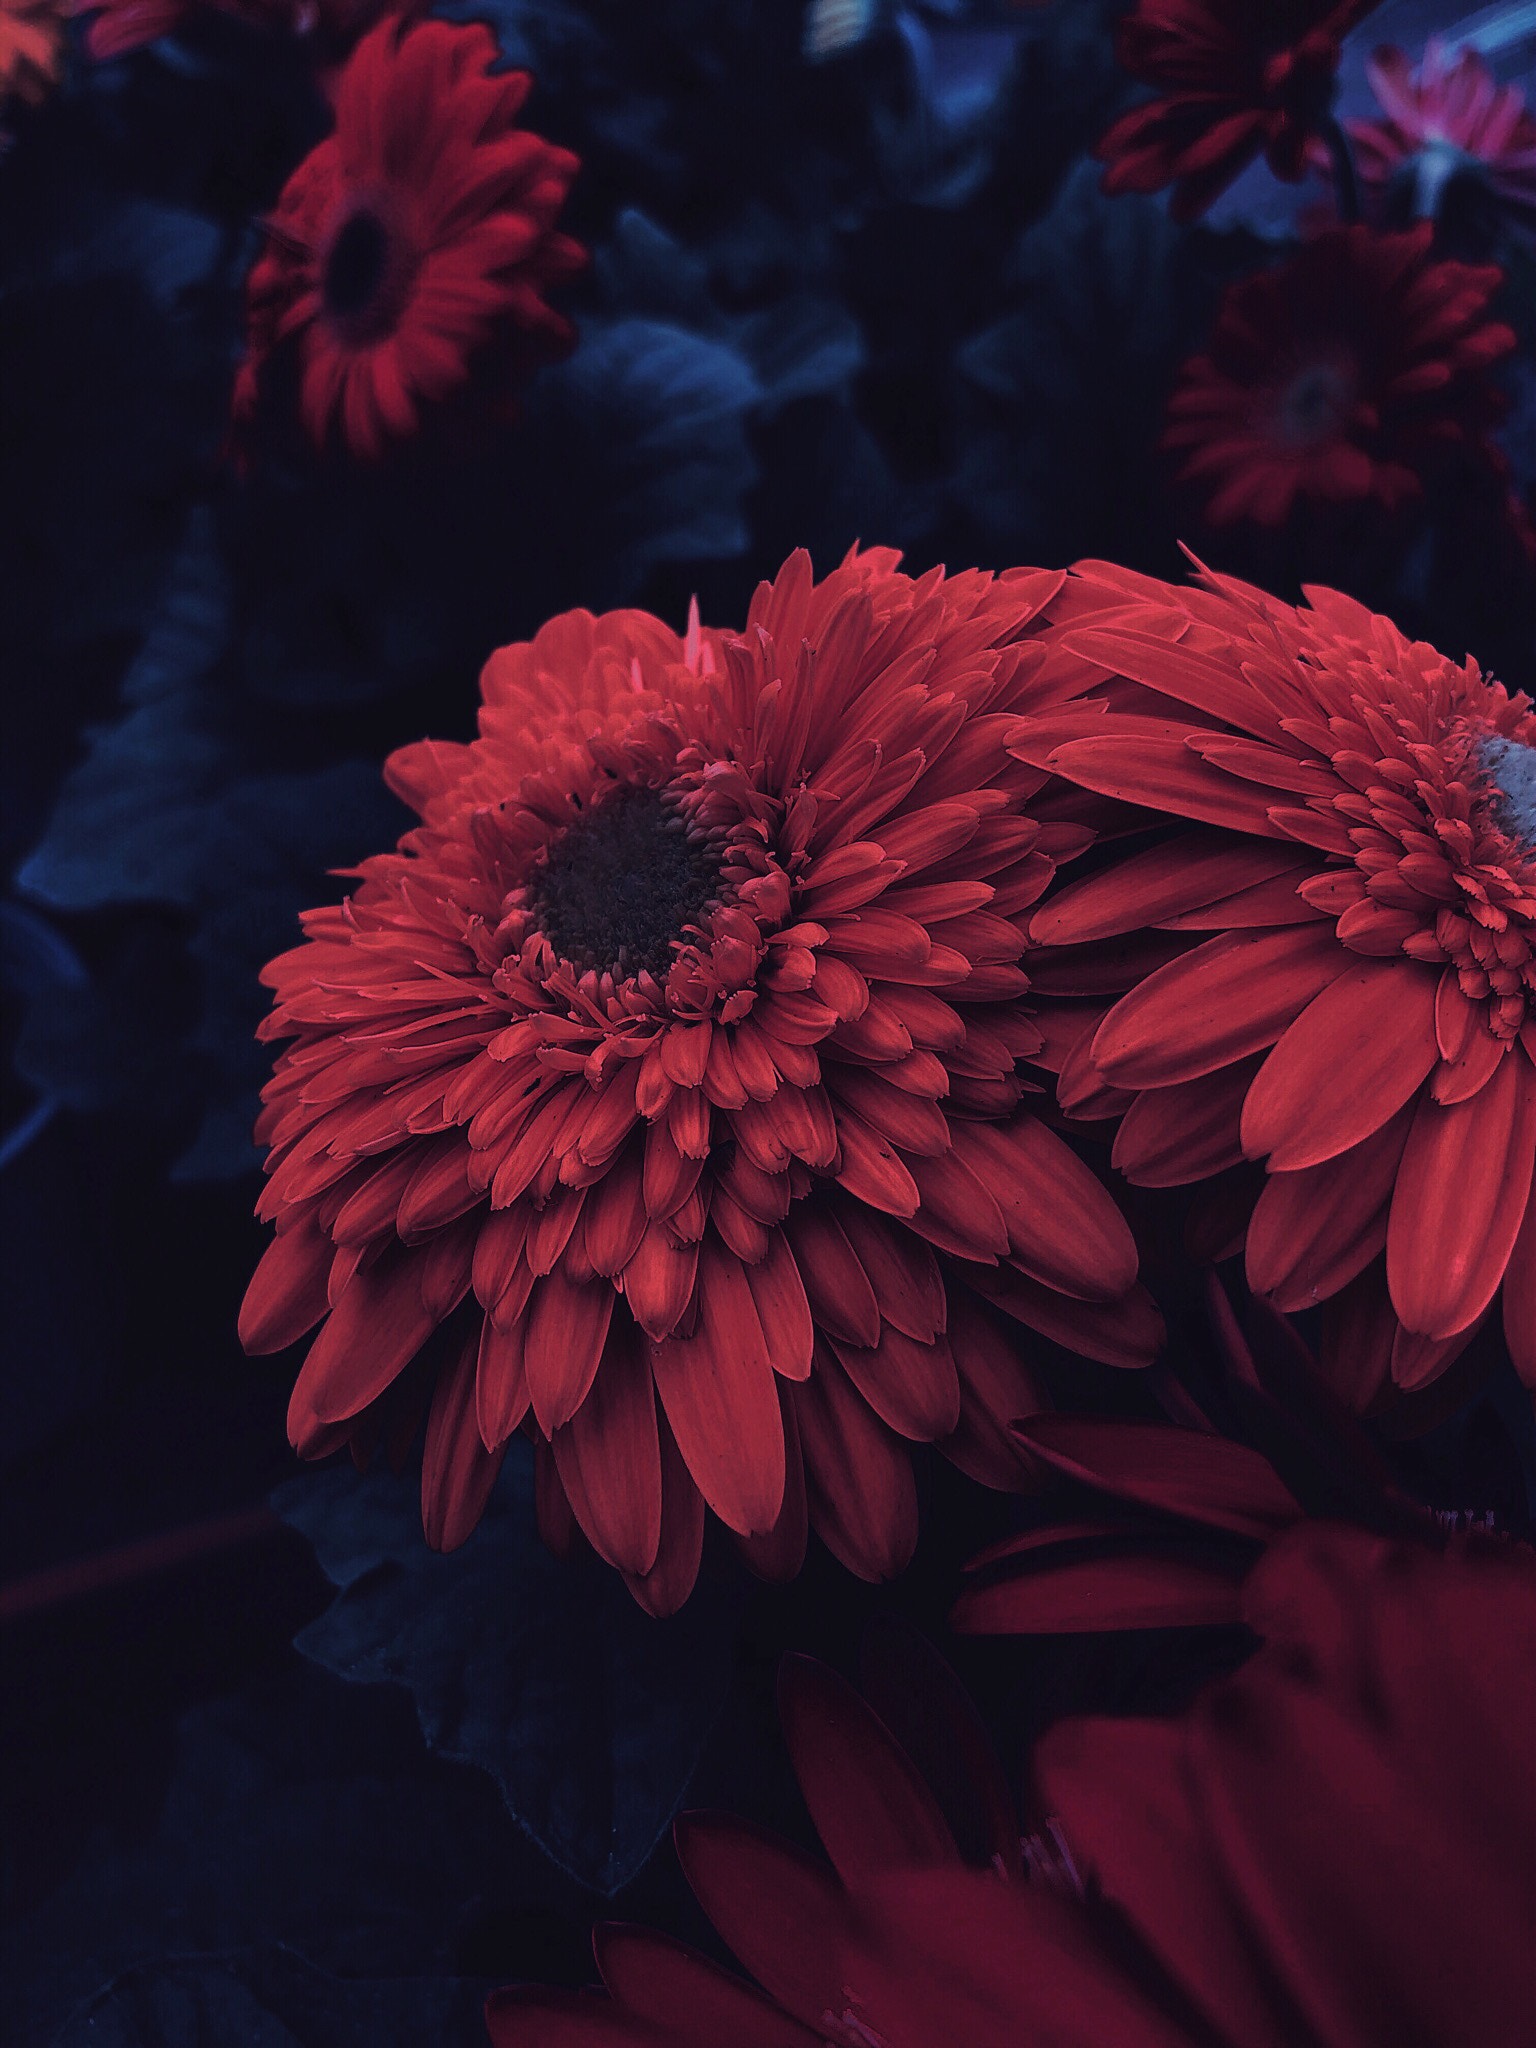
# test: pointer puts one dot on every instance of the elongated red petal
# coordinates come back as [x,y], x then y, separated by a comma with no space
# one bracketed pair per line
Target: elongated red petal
[457,1471]
[1460,1200]
[567,1327]
[1063,1227]
[863,1500]
[867,1802]
[718,1389]
[1348,1063]
[1204,1479]
[692,2002]
[1311,1232]
[609,1459]
[1085,1595]
[373,1333]
[287,1295]
[1228,998]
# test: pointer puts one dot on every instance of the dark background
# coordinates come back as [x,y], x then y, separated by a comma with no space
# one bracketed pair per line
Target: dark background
[878,297]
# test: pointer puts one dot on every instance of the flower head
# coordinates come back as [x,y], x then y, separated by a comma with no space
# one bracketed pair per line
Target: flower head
[1350,910]
[1445,129]
[1340,378]
[420,229]
[31,50]
[673,1060]
[1331,1848]
[1233,81]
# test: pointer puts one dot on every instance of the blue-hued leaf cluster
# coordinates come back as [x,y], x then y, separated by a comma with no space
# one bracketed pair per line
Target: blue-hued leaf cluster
[589,1715]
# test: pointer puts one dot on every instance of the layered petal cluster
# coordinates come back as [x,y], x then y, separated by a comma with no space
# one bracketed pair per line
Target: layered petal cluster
[421,229]
[1448,123]
[1333,1848]
[1233,81]
[1333,954]
[785,1915]
[31,50]
[1341,377]
[673,1061]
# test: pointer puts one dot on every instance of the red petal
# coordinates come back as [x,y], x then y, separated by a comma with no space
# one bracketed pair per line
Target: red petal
[1063,1227]
[1350,1061]
[718,1389]
[859,1484]
[1199,1478]
[1171,1136]
[902,1271]
[693,2002]
[1228,998]
[1126,1805]
[566,1329]
[782,1308]
[868,1804]
[836,1284]
[663,1589]
[1090,1594]
[772,1906]
[373,1333]
[1185,872]
[501,1385]
[871,1170]
[1312,1232]
[609,1459]
[457,1471]
[287,1295]
[1147,762]
[959,1213]
[1126,1332]
[778,1553]
[996,1388]
[659,1280]
[1460,1200]
[911,1385]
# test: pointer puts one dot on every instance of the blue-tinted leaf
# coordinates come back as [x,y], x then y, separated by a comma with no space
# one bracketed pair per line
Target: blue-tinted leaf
[589,1714]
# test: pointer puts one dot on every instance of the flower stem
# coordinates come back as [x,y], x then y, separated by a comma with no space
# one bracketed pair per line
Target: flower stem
[1346,186]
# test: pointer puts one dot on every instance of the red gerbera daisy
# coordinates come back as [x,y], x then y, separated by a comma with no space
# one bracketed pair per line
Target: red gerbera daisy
[1341,376]
[1334,1848]
[678,1045]
[416,231]
[1448,122]
[1363,857]
[1234,79]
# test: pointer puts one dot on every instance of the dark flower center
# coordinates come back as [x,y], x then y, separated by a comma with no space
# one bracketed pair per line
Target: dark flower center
[623,883]
[1315,405]
[356,266]
[1510,766]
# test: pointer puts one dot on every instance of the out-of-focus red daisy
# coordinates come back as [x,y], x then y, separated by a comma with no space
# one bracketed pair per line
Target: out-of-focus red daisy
[1233,80]
[31,50]
[673,1060]
[123,25]
[423,226]
[1333,1848]
[1448,121]
[1353,908]
[1341,377]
